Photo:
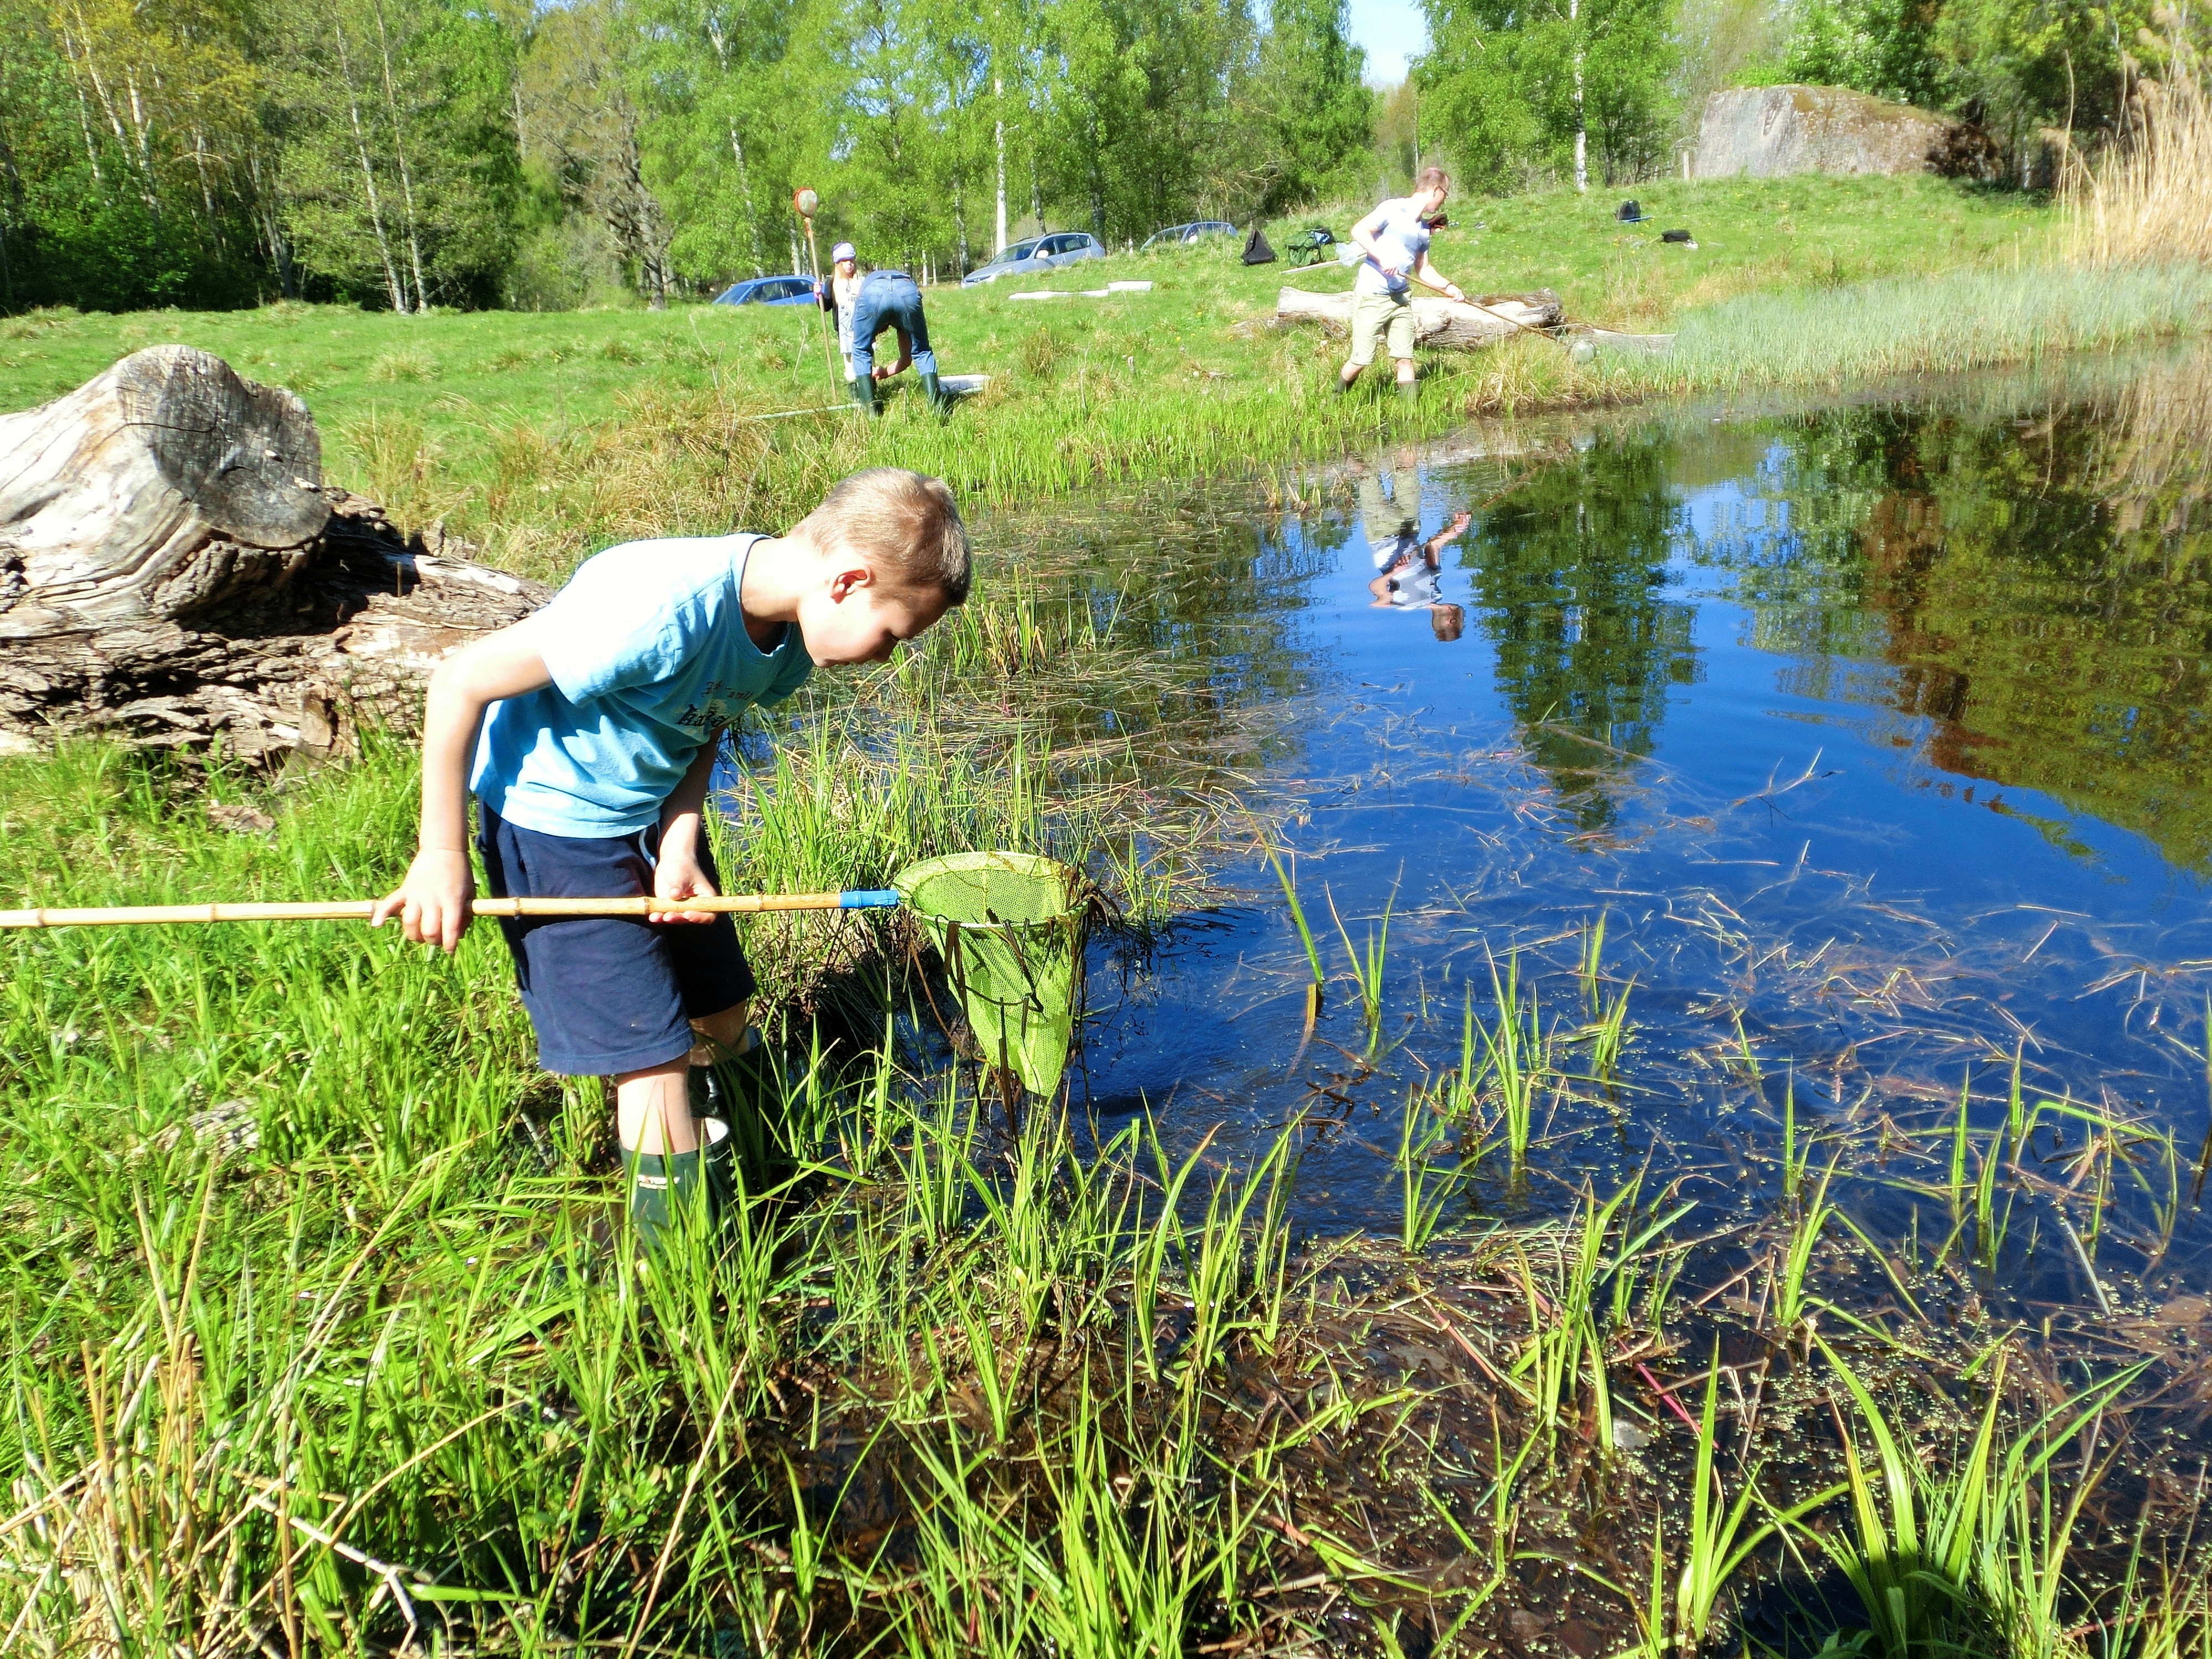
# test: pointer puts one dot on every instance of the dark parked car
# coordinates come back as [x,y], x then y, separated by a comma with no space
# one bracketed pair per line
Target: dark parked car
[1037,256]
[768,291]
[1182,235]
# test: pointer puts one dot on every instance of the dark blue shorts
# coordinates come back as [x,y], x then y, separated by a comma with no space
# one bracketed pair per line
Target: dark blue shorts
[607,994]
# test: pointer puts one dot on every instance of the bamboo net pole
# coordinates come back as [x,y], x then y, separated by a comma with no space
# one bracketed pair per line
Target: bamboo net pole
[360,910]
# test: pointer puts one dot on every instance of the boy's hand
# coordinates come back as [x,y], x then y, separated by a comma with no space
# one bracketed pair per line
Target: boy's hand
[433,902]
[677,877]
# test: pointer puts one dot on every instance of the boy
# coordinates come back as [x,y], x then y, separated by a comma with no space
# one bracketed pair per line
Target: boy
[587,734]
[1394,241]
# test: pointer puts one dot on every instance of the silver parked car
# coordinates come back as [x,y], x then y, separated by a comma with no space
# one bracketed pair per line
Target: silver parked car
[1184,235]
[1037,256]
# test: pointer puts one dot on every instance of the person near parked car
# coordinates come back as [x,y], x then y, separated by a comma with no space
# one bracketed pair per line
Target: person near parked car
[1394,245]
[867,304]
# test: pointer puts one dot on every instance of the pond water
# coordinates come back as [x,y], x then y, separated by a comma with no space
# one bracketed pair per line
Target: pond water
[1874,732]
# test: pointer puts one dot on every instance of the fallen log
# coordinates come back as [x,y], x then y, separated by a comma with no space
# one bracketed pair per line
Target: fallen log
[175,571]
[1436,321]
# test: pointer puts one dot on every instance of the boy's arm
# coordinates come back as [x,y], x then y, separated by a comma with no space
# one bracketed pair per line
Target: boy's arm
[677,874]
[1448,535]
[1436,280]
[433,902]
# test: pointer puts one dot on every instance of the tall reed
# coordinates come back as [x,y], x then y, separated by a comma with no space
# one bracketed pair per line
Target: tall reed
[2149,195]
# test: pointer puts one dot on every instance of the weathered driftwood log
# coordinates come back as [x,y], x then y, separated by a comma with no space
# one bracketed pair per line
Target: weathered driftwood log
[173,570]
[1436,321]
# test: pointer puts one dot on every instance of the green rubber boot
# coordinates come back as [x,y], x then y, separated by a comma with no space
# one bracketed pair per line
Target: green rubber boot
[863,394]
[662,1186]
[710,1117]
[940,398]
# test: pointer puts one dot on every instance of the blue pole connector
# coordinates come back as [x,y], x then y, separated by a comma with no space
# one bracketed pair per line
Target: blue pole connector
[868,898]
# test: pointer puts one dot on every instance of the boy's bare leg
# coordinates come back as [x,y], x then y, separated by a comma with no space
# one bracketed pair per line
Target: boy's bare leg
[1406,371]
[652,1109]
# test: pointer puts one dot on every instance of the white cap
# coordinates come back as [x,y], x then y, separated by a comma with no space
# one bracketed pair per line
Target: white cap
[843,251]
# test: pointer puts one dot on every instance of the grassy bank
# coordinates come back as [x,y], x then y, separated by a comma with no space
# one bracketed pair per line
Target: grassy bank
[543,436]
[318,1343]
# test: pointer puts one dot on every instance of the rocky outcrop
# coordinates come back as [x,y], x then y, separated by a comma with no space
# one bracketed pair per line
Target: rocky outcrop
[1768,131]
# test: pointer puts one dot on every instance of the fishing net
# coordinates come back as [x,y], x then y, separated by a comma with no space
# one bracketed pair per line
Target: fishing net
[1009,927]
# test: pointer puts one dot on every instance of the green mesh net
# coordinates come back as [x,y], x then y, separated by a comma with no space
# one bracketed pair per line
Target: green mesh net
[1009,927]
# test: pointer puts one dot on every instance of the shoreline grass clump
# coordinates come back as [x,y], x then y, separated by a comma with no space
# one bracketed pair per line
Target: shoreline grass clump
[1916,327]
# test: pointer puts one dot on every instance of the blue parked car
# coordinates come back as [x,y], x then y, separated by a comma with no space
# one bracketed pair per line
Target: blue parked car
[768,291]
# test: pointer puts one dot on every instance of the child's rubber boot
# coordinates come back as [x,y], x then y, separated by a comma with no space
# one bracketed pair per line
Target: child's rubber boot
[863,394]
[710,1115]
[754,1071]
[940,398]
[663,1187]
[720,1151]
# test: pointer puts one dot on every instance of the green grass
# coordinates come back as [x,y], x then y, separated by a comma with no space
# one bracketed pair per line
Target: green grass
[1940,324]
[543,436]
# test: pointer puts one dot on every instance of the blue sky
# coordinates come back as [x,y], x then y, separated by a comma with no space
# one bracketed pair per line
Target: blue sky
[1391,30]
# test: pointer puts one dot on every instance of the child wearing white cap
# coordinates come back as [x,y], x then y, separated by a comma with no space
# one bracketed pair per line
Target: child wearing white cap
[844,292]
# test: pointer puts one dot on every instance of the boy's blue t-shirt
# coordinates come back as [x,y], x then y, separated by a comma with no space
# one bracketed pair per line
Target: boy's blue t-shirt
[649,656]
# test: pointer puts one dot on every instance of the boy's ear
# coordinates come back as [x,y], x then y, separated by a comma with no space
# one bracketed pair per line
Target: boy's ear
[849,578]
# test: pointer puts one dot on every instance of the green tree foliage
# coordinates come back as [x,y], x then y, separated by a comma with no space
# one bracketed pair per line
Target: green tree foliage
[1319,114]
[2019,64]
[397,163]
[2012,66]
[1509,85]
[1885,47]
[414,154]
[130,152]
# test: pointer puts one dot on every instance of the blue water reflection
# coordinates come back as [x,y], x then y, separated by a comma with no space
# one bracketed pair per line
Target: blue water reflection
[1874,733]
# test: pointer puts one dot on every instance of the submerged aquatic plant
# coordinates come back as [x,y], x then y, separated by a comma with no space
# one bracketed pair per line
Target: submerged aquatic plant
[1425,1190]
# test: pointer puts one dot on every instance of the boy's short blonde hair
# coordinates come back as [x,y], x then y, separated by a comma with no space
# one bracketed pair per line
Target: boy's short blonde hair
[905,524]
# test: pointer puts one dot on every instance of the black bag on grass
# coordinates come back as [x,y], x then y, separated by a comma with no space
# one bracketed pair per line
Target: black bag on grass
[1257,251]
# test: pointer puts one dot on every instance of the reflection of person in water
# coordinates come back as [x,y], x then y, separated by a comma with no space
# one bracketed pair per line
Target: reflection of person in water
[1384,493]
[1411,575]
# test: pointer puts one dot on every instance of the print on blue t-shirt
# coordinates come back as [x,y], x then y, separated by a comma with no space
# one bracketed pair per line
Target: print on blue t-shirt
[649,656]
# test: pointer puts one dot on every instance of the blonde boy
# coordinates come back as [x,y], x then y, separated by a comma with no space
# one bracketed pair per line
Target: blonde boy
[587,734]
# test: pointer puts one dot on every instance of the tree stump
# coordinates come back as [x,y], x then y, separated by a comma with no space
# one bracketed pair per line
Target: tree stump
[173,570]
[1436,321]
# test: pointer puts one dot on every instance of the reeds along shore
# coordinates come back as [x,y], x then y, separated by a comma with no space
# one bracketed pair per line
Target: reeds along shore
[353,1368]
[2148,196]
